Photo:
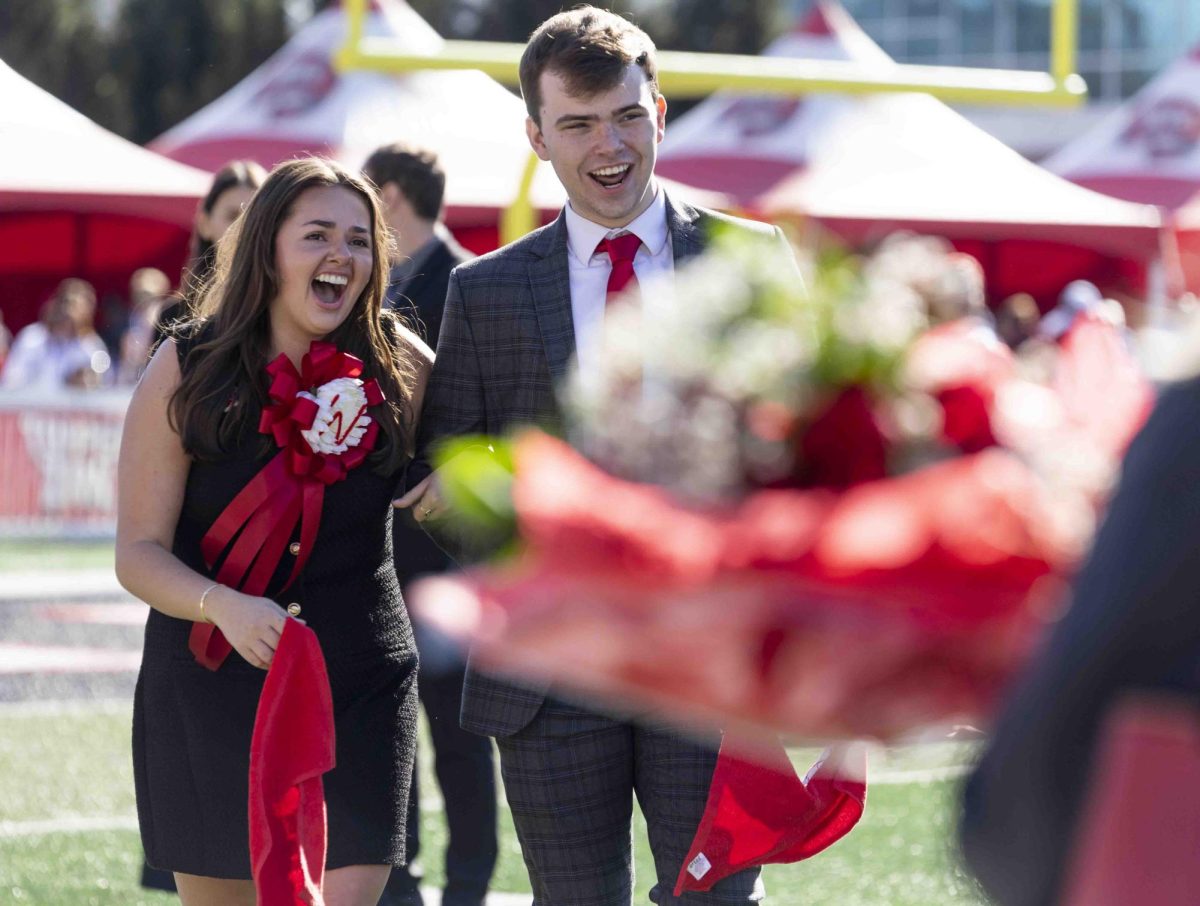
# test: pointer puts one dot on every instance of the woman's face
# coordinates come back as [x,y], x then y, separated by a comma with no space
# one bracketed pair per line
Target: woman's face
[324,252]
[211,225]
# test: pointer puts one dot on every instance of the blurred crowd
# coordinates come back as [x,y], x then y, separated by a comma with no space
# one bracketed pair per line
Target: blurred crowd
[78,344]
[65,349]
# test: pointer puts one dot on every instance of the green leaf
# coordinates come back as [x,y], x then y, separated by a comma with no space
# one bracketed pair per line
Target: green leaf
[476,475]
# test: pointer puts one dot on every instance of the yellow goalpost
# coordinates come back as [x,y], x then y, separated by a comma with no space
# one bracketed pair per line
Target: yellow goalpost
[689,74]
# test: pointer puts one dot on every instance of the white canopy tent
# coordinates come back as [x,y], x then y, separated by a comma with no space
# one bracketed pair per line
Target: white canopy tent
[1148,149]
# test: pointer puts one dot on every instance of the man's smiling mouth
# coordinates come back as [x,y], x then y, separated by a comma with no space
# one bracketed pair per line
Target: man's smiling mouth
[611,177]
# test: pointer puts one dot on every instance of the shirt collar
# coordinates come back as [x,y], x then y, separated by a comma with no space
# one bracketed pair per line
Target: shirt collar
[650,226]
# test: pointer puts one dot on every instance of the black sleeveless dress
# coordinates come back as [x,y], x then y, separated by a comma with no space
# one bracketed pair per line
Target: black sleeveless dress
[192,726]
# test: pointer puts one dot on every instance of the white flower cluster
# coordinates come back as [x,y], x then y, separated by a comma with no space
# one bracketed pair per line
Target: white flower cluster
[669,401]
[342,418]
[706,388]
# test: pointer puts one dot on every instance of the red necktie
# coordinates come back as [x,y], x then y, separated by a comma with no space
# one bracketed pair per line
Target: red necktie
[621,251]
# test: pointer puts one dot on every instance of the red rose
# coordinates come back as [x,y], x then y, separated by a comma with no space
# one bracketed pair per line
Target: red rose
[844,446]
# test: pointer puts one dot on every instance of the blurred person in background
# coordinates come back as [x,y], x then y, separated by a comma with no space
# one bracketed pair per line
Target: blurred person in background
[1017,319]
[1132,629]
[958,292]
[62,349]
[231,189]
[1078,298]
[148,290]
[5,341]
[411,185]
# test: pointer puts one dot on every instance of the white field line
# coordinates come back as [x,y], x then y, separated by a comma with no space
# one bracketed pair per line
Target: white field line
[66,707]
[59,584]
[16,658]
[70,824]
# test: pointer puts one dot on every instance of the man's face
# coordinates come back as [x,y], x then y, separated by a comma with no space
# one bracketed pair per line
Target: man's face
[603,147]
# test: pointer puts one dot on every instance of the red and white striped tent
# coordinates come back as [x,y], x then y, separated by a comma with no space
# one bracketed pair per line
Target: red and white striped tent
[296,103]
[864,167]
[743,145]
[1148,149]
[79,201]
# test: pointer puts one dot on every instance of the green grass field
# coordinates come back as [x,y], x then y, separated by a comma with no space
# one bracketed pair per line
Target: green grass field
[19,556]
[68,832]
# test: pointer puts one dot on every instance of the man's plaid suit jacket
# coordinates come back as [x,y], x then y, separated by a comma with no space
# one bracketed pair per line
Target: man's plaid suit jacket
[506,341]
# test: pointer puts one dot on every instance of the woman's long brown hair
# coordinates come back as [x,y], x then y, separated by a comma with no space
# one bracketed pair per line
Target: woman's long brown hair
[224,383]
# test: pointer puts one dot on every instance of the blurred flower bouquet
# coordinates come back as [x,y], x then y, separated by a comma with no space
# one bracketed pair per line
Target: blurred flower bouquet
[815,511]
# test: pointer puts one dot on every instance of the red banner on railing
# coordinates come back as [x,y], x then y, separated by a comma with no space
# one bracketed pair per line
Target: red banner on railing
[58,463]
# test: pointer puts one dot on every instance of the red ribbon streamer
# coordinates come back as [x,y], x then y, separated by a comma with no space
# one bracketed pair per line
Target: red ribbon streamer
[290,489]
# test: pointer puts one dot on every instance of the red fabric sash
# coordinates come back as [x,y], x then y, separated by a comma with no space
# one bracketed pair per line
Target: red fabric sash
[760,812]
[289,490]
[293,745]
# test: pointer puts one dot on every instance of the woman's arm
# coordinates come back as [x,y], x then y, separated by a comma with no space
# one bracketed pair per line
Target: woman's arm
[151,475]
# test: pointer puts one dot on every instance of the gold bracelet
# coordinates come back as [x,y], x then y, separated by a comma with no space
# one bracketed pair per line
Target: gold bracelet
[203,616]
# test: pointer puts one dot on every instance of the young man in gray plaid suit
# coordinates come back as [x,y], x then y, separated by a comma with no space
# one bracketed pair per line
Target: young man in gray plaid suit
[513,320]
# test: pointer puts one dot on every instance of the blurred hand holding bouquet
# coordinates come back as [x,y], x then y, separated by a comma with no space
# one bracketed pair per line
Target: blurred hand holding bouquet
[811,512]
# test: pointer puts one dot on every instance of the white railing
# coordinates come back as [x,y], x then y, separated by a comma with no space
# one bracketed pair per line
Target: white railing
[58,463]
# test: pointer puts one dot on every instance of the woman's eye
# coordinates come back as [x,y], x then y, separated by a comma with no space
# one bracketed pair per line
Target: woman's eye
[315,236]
[361,243]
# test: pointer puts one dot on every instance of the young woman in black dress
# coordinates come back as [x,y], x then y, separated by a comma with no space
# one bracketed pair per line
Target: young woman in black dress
[307,262]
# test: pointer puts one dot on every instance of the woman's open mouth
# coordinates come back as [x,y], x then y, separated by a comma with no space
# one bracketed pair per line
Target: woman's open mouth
[613,177]
[329,288]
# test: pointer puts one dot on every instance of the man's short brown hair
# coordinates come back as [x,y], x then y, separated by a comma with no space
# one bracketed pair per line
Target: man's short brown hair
[416,173]
[590,49]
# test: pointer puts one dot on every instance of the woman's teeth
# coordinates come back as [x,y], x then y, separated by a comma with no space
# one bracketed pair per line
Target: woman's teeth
[329,287]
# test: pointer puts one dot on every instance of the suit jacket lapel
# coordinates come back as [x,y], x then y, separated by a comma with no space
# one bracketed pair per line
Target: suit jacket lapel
[687,235]
[550,283]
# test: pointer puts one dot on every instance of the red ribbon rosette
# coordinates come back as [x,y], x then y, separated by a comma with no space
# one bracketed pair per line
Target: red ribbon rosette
[320,440]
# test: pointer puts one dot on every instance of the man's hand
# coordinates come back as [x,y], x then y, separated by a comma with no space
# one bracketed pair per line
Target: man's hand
[425,499]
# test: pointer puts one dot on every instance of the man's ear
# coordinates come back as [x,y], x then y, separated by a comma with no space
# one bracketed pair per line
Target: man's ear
[536,141]
[660,104]
[200,223]
[388,193]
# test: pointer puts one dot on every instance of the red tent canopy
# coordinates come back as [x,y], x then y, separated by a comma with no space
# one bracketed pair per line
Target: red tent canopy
[1148,149]
[865,167]
[1185,224]
[78,201]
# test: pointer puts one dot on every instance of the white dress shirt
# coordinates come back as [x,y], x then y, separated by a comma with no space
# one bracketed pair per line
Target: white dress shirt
[654,265]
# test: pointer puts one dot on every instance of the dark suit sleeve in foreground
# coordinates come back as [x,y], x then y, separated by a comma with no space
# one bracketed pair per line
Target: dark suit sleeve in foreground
[1134,624]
